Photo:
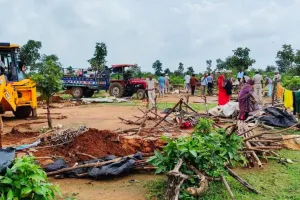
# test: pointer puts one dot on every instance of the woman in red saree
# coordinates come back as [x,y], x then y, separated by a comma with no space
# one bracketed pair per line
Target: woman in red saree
[223,98]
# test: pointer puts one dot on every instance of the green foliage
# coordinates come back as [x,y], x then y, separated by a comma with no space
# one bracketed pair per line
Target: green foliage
[291,83]
[240,60]
[156,189]
[157,66]
[98,61]
[285,58]
[180,70]
[29,54]
[177,80]
[167,71]
[207,149]
[220,64]
[190,70]
[270,68]
[26,181]
[209,65]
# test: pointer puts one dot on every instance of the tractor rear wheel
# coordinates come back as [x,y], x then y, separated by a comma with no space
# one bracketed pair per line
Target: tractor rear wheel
[77,92]
[116,90]
[88,93]
[140,94]
[23,112]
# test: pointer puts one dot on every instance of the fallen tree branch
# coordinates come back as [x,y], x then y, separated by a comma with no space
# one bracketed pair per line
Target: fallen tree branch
[227,187]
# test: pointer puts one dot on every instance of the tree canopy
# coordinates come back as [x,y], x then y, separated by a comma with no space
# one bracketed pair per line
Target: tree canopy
[209,65]
[30,54]
[240,60]
[157,66]
[98,61]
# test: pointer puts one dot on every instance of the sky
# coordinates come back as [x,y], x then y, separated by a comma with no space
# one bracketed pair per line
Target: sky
[143,31]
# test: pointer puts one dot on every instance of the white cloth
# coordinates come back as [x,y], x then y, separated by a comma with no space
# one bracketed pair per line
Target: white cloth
[166,80]
[151,96]
[257,79]
[187,78]
[240,75]
[150,85]
[2,64]
[278,77]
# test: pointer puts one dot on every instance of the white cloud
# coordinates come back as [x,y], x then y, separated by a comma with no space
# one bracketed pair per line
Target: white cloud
[141,31]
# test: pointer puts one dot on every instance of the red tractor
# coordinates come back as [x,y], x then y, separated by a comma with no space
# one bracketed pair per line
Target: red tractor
[125,85]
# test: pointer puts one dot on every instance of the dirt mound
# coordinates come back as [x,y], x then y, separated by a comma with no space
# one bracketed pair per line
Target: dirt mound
[16,137]
[100,143]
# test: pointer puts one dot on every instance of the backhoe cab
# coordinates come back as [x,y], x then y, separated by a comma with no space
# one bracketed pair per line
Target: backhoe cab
[17,94]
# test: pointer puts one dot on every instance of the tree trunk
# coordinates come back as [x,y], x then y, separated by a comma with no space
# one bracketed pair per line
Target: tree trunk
[48,113]
[175,180]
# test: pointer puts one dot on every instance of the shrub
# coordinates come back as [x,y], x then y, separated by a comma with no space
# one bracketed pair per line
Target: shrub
[26,181]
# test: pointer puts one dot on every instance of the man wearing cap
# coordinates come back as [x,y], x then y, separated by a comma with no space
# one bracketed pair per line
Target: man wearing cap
[258,85]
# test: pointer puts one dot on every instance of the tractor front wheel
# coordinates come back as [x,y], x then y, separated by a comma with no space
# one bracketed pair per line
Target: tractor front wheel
[116,90]
[23,112]
[77,92]
[140,94]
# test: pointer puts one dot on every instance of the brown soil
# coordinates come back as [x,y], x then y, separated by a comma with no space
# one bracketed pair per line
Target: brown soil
[16,138]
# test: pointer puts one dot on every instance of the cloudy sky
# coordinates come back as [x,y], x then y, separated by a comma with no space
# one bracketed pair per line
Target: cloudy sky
[142,31]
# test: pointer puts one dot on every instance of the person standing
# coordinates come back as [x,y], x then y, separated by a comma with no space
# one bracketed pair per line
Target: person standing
[223,97]
[187,79]
[161,85]
[277,77]
[203,84]
[270,86]
[258,86]
[240,75]
[166,84]
[210,84]
[193,82]
[151,90]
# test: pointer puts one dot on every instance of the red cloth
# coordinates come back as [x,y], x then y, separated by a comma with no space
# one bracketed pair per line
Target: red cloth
[193,81]
[223,98]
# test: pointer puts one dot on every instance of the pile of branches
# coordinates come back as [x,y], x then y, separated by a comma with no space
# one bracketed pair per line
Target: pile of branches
[162,123]
[61,137]
[192,162]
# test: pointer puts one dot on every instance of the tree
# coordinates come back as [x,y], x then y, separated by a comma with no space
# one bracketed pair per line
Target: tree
[220,64]
[29,54]
[48,80]
[180,70]
[190,70]
[136,71]
[270,68]
[240,59]
[209,63]
[157,66]
[98,61]
[167,71]
[285,58]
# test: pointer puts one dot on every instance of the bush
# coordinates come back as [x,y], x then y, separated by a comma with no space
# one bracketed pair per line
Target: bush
[26,181]
[291,83]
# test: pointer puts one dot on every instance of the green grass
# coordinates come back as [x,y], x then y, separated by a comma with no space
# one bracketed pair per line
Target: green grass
[197,107]
[275,181]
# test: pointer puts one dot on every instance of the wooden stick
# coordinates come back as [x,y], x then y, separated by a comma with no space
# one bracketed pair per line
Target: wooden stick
[257,159]
[166,115]
[241,181]
[227,187]
[129,121]
[190,108]
[87,155]
[99,164]
[143,123]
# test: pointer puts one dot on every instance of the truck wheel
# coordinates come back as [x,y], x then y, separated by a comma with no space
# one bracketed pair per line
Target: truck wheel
[116,90]
[140,94]
[22,112]
[88,93]
[77,92]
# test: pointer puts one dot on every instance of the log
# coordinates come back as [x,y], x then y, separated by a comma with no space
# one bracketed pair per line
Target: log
[143,123]
[129,121]
[175,180]
[87,155]
[190,108]
[227,187]
[241,181]
[99,164]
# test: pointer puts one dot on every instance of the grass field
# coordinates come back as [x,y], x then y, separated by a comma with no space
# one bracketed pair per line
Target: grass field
[275,182]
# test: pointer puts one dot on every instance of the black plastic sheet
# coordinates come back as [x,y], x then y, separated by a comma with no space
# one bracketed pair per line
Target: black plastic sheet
[7,157]
[278,117]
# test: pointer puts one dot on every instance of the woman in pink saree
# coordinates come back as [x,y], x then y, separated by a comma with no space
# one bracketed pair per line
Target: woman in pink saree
[223,97]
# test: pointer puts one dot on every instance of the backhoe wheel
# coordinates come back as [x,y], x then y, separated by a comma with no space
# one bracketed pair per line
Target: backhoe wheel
[88,93]
[23,112]
[77,92]
[140,94]
[116,90]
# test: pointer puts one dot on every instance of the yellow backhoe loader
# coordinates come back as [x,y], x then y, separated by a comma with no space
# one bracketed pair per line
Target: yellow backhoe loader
[17,94]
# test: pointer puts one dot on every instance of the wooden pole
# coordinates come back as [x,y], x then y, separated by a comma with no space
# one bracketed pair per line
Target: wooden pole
[227,187]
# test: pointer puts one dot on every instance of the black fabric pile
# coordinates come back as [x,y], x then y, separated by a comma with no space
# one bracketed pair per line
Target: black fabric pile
[278,117]
[111,169]
[7,157]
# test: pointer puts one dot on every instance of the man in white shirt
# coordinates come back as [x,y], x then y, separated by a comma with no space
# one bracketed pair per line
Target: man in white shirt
[151,90]
[258,85]
[277,77]
[166,83]
[187,79]
[240,75]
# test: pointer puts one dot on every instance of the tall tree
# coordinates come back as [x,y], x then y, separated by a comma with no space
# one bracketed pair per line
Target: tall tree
[157,66]
[180,70]
[285,58]
[30,54]
[209,64]
[48,80]
[167,71]
[240,60]
[270,68]
[190,70]
[98,61]
[220,64]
